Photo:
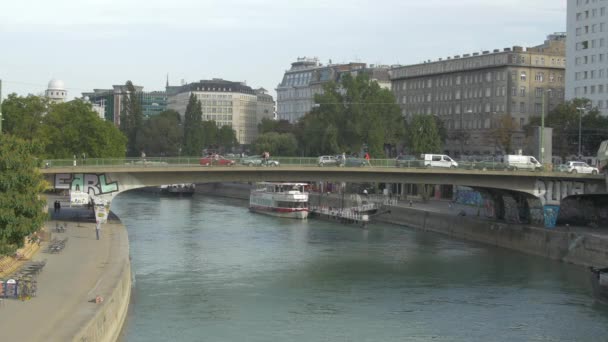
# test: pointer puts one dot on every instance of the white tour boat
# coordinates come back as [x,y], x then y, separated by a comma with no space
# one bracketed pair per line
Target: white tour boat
[288,200]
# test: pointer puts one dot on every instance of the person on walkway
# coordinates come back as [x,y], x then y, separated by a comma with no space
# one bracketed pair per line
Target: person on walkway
[367,158]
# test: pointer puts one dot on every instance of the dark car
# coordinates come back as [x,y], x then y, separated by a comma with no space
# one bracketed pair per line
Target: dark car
[356,162]
[216,160]
[408,161]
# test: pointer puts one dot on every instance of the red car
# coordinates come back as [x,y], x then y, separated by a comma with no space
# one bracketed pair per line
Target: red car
[216,160]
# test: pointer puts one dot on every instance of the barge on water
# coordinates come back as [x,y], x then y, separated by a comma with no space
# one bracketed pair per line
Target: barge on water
[289,200]
[360,215]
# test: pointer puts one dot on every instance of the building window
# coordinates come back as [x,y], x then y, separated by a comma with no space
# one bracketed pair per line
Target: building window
[538,108]
[513,91]
[522,91]
[540,76]
[523,76]
[539,92]
[522,107]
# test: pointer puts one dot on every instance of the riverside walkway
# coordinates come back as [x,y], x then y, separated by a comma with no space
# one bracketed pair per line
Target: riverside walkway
[85,268]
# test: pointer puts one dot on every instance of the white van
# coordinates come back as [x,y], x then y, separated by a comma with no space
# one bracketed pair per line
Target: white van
[518,162]
[438,160]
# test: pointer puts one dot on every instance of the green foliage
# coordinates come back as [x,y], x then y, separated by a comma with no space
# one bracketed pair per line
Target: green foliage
[23,115]
[501,135]
[131,119]
[348,115]
[73,128]
[270,125]
[193,128]
[278,144]
[226,138]
[209,133]
[161,135]
[423,135]
[21,208]
[564,120]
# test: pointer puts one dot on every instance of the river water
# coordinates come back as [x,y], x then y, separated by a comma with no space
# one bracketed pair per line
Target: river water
[206,269]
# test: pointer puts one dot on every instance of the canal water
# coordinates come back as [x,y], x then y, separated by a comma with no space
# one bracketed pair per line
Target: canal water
[206,269]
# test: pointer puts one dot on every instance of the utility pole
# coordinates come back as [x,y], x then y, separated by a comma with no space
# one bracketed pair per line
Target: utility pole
[580,117]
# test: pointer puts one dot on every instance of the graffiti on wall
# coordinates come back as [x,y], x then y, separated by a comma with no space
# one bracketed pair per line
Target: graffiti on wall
[469,197]
[551,213]
[89,183]
[552,192]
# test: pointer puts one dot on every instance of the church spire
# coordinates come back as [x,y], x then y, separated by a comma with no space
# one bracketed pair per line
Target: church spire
[167,80]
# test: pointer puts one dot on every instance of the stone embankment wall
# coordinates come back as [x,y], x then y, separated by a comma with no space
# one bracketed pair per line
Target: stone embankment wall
[567,246]
[110,316]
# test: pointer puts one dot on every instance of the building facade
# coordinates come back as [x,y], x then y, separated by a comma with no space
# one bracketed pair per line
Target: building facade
[227,103]
[587,50]
[306,78]
[111,100]
[472,94]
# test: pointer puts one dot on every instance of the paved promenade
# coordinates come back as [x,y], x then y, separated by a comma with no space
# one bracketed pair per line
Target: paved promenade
[68,281]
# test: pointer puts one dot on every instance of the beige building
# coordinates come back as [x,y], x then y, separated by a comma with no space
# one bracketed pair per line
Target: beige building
[227,103]
[472,93]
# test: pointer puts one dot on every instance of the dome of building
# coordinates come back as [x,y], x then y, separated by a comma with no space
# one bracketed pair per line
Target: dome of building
[56,85]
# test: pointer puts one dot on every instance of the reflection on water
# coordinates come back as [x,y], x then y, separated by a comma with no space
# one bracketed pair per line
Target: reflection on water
[208,270]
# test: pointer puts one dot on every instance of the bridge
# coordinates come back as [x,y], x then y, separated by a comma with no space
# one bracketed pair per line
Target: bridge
[511,196]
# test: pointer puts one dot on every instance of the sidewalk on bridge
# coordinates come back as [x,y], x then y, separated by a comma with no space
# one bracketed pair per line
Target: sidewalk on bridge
[69,280]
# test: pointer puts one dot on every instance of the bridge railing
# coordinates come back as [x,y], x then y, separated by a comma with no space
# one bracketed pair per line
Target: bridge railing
[283,161]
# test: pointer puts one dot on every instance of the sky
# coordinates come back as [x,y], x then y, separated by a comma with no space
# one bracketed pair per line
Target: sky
[99,43]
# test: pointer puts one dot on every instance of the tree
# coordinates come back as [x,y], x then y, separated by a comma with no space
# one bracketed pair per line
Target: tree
[269,125]
[21,208]
[131,118]
[161,135]
[209,133]
[193,130]
[23,115]
[280,144]
[73,128]
[226,138]
[350,114]
[423,135]
[502,133]
[564,120]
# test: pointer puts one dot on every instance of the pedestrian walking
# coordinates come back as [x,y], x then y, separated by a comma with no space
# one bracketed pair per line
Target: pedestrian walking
[367,158]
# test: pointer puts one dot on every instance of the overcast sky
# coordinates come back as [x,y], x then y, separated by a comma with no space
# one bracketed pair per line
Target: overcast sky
[97,43]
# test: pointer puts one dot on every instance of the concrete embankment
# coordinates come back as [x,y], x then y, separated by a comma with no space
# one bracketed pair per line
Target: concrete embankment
[64,308]
[577,246]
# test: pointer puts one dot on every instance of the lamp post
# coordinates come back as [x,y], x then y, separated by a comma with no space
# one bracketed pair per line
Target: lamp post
[580,117]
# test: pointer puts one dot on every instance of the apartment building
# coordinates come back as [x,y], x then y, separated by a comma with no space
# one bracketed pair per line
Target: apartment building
[472,92]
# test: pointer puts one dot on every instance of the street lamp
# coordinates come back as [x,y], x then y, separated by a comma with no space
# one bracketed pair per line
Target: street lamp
[580,117]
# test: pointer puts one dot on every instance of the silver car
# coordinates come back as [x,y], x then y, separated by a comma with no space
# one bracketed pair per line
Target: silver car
[580,167]
[328,161]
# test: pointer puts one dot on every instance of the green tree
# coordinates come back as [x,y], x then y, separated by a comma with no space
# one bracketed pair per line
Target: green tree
[347,115]
[564,120]
[226,138]
[131,118]
[73,128]
[193,130]
[279,126]
[23,115]
[21,207]
[161,135]
[423,135]
[277,144]
[210,134]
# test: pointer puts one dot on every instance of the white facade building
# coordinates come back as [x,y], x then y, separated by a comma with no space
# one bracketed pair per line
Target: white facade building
[587,52]
[56,91]
[227,103]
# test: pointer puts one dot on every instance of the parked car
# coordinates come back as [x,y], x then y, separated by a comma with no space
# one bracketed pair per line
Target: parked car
[328,161]
[360,162]
[257,161]
[408,161]
[580,167]
[216,160]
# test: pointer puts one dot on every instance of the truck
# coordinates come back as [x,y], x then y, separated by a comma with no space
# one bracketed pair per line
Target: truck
[519,162]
